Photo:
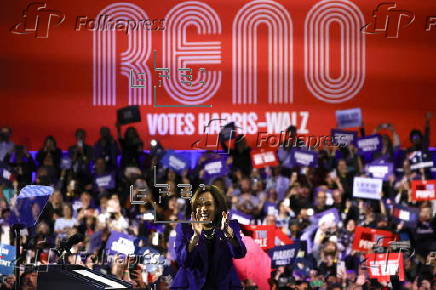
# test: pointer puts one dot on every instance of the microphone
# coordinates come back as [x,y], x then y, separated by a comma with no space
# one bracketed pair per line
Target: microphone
[66,244]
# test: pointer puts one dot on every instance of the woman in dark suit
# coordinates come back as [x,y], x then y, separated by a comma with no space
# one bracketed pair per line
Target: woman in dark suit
[205,248]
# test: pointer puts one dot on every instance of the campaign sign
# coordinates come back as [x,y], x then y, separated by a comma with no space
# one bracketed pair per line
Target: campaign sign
[366,238]
[280,238]
[367,187]
[106,181]
[380,169]
[304,158]
[420,159]
[176,161]
[120,243]
[284,255]
[263,235]
[215,168]
[28,205]
[242,218]
[369,144]
[343,137]
[7,255]
[262,159]
[382,266]
[351,118]
[423,190]
[407,214]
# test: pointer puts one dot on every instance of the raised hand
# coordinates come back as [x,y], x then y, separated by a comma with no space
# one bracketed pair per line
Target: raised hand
[228,231]
[196,227]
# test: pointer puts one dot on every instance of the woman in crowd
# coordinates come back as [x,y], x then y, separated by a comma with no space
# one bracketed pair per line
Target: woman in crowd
[206,247]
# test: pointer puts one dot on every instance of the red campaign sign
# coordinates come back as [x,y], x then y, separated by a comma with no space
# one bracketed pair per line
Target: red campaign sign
[281,238]
[262,159]
[267,236]
[382,266]
[193,66]
[365,238]
[423,190]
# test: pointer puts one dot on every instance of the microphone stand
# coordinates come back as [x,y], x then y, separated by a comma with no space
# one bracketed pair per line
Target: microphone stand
[17,228]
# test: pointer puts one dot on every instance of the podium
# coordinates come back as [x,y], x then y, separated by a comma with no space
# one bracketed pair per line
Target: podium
[76,277]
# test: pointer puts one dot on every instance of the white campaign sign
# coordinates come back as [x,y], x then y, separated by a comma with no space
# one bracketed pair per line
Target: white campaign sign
[367,187]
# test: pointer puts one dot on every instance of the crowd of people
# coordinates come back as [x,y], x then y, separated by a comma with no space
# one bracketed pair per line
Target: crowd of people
[93,196]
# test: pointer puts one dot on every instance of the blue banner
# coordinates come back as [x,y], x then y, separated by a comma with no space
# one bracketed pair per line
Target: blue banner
[120,243]
[284,255]
[243,219]
[7,255]
[351,118]
[28,205]
[178,161]
[343,137]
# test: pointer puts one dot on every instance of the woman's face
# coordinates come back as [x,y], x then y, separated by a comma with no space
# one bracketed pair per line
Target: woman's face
[50,143]
[67,212]
[425,214]
[351,225]
[342,167]
[206,209]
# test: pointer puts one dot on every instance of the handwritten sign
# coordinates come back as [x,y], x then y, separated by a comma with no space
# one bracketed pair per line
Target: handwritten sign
[367,187]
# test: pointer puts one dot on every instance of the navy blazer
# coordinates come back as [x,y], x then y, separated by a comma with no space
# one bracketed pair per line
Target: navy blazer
[194,265]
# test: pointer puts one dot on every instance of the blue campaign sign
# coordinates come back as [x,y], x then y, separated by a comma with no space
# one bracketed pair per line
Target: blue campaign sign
[7,255]
[120,243]
[178,161]
[28,205]
[215,168]
[351,118]
[284,255]
[106,181]
[304,158]
[407,214]
[380,169]
[420,159]
[369,144]
[343,137]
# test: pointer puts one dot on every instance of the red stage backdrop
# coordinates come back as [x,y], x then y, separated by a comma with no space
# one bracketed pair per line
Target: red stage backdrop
[264,64]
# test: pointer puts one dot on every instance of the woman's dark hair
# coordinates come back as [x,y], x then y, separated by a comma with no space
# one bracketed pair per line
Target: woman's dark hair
[415,132]
[50,138]
[218,196]
[131,133]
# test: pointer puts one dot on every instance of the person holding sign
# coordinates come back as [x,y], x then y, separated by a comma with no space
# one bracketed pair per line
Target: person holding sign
[206,247]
